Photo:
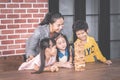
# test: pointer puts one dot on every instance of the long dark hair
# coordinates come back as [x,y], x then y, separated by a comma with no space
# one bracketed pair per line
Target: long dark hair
[45,43]
[51,17]
[55,37]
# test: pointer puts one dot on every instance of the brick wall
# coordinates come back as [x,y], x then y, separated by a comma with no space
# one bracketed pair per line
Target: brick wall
[18,19]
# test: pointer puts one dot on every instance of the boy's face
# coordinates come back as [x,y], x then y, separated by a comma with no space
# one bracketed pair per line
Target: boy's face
[82,35]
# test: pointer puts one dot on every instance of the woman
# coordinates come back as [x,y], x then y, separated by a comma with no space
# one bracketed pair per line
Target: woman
[53,22]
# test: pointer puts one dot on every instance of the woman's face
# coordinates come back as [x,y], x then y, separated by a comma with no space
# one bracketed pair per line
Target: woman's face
[57,26]
[61,43]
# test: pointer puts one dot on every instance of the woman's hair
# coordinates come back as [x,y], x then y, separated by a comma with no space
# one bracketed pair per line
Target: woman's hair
[44,43]
[58,35]
[51,17]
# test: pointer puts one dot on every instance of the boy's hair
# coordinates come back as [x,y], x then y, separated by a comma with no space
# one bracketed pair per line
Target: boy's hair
[44,43]
[55,37]
[80,25]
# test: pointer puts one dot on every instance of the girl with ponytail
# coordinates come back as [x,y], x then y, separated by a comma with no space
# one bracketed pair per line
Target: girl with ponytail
[45,60]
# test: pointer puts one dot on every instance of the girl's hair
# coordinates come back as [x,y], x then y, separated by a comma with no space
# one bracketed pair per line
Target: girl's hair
[44,43]
[51,17]
[58,35]
[79,25]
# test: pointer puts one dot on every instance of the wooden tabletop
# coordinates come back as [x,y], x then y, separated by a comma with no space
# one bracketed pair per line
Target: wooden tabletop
[94,71]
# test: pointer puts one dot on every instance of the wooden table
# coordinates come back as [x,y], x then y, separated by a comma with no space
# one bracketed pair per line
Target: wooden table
[94,71]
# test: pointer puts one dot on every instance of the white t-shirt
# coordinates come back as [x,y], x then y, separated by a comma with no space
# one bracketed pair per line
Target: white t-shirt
[30,64]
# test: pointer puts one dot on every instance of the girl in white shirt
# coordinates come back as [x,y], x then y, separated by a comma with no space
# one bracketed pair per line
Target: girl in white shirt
[45,60]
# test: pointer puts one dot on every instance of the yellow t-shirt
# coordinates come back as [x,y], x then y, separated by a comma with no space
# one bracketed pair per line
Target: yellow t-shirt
[92,51]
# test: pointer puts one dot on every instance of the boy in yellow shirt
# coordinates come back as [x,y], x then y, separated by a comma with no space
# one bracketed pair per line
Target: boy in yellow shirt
[92,51]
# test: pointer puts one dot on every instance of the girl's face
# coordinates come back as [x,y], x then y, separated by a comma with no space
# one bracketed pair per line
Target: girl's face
[82,35]
[61,43]
[57,26]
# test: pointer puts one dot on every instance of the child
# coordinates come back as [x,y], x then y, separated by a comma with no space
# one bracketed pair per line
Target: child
[92,51]
[45,60]
[64,53]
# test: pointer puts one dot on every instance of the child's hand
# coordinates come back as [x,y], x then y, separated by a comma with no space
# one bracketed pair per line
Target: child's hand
[30,58]
[108,62]
[54,68]
[68,65]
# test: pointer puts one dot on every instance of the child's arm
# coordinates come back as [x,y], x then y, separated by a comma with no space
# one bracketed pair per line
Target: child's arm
[64,65]
[99,54]
[47,68]
[52,68]
[36,67]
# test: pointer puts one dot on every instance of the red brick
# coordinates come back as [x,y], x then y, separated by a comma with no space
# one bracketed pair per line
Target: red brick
[42,0]
[2,26]
[6,10]
[7,31]
[13,46]
[2,16]
[20,51]
[43,10]
[38,5]
[30,0]
[38,15]
[35,25]
[12,16]
[31,30]
[26,5]
[23,45]
[3,47]
[3,37]
[46,5]
[21,31]
[26,35]
[2,5]
[20,41]
[19,11]
[32,10]
[26,15]
[7,42]
[33,20]
[0,53]
[4,0]
[9,52]
[6,21]
[26,25]
[17,0]
[20,21]
[13,36]
[12,5]
[12,26]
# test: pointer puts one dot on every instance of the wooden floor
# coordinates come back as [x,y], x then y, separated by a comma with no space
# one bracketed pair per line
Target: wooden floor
[94,71]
